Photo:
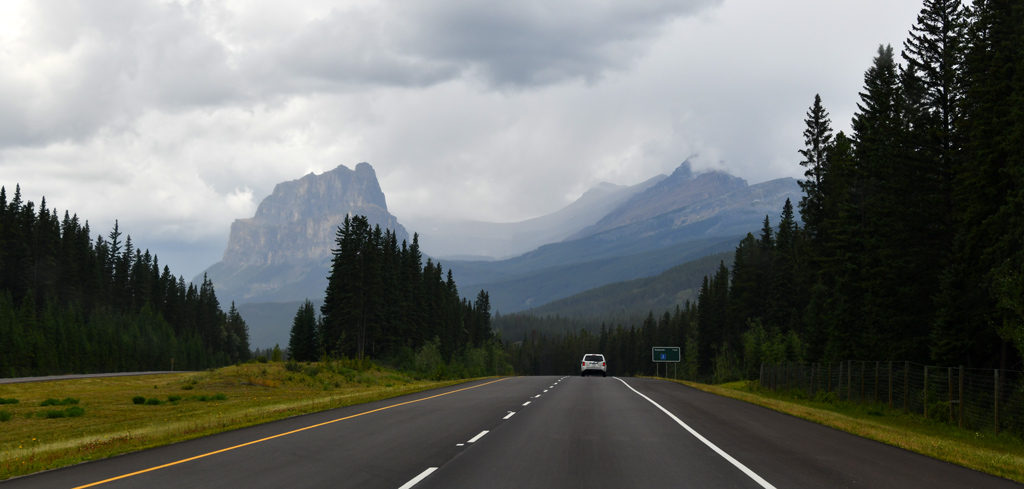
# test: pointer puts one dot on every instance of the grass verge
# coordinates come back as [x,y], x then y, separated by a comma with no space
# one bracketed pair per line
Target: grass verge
[107,419]
[1000,455]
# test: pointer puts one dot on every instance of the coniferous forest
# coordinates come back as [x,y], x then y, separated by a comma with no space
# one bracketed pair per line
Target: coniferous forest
[382,302]
[909,243]
[73,304]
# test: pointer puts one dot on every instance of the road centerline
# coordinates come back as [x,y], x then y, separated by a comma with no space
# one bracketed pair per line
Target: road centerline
[478,436]
[268,438]
[743,468]
[418,478]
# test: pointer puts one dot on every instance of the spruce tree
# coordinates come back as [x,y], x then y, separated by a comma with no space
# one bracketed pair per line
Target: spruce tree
[302,342]
[817,141]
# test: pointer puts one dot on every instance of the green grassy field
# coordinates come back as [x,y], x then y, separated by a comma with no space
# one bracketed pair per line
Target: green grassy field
[1001,455]
[88,419]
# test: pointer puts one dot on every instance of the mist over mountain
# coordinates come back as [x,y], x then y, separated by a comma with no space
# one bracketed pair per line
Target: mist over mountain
[477,240]
[680,218]
[284,251]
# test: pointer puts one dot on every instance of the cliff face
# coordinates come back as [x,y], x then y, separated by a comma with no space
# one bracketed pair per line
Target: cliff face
[283,252]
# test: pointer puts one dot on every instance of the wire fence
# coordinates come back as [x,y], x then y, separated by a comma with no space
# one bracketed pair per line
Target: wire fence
[974,399]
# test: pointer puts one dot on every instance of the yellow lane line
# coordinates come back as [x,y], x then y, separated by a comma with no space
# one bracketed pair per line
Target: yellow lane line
[197,457]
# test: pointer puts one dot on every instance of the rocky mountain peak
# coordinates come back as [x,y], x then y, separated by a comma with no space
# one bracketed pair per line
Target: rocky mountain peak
[294,229]
[680,189]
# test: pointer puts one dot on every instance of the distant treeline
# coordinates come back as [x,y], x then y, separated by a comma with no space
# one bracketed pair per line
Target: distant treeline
[69,303]
[912,243]
[382,302]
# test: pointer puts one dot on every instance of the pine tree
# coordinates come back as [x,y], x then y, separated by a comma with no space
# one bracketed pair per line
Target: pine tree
[817,141]
[302,343]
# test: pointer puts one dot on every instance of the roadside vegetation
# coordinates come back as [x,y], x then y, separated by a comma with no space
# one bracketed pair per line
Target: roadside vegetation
[46,425]
[1000,455]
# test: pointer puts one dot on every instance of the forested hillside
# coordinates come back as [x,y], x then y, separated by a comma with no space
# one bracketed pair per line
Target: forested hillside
[72,304]
[382,302]
[912,243]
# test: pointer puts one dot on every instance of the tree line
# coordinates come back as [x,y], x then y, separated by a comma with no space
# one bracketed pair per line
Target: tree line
[910,242]
[69,303]
[383,302]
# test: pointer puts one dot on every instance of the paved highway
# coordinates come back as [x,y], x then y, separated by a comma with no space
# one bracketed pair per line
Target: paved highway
[528,432]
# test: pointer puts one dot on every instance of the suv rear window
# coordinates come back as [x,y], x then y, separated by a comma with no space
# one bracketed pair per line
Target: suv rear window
[594,358]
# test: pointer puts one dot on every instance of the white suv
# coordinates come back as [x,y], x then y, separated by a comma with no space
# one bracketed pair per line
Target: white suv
[593,363]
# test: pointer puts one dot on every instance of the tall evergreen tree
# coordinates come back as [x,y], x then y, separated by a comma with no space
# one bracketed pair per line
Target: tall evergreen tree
[302,343]
[817,141]
[972,327]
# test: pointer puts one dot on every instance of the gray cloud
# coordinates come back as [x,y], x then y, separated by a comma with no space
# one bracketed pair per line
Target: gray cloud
[178,117]
[539,42]
[82,68]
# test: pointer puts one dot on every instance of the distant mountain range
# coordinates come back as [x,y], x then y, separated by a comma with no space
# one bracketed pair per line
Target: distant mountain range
[613,233]
[680,218]
[447,239]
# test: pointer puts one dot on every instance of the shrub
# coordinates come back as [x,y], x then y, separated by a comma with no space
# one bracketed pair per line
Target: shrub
[152,401]
[173,398]
[827,397]
[5,416]
[8,401]
[67,401]
[139,400]
[311,370]
[292,366]
[71,412]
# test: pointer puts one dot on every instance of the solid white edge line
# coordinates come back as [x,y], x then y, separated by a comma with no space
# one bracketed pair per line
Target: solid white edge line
[477,437]
[750,473]
[418,478]
[509,415]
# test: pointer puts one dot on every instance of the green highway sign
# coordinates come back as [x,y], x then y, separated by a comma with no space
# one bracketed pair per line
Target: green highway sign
[665,354]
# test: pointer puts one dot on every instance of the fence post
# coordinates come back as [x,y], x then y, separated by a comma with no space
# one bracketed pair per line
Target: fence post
[890,384]
[906,386]
[863,373]
[949,381]
[996,406]
[849,380]
[960,407]
[810,390]
[876,380]
[839,382]
[925,396]
[828,384]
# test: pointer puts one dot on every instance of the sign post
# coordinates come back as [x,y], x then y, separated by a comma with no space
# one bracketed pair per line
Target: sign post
[665,354]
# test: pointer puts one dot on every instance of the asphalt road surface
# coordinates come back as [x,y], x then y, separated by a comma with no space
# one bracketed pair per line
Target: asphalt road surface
[528,432]
[47,378]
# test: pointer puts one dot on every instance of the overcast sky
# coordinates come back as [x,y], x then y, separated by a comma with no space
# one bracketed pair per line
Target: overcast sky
[177,117]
